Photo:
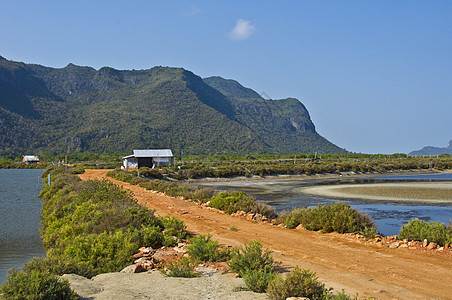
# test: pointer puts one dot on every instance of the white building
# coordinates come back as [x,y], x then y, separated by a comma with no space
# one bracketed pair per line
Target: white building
[150,158]
[30,159]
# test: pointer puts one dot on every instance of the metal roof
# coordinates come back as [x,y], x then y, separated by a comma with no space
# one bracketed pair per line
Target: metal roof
[153,153]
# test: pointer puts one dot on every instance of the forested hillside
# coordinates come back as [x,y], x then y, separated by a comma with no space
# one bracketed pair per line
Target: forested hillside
[80,109]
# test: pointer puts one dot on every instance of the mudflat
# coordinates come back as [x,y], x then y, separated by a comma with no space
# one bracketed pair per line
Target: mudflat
[427,192]
[340,261]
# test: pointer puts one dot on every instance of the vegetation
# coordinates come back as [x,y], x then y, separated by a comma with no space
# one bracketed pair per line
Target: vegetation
[99,224]
[338,217]
[181,268]
[301,164]
[35,285]
[203,249]
[80,109]
[418,230]
[298,283]
[251,256]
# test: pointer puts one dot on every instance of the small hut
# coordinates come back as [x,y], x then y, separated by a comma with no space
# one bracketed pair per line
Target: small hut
[30,159]
[150,158]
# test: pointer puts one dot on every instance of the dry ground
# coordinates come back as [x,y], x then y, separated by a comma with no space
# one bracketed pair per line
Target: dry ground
[340,261]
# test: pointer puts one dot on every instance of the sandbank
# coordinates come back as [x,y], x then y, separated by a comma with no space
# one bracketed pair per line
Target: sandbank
[416,192]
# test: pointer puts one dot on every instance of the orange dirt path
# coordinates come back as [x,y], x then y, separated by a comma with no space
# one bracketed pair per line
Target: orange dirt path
[340,261]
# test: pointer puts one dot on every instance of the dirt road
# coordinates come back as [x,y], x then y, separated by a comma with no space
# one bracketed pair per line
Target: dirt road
[340,261]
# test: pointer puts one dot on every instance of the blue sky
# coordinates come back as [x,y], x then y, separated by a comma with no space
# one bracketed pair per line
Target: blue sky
[374,75]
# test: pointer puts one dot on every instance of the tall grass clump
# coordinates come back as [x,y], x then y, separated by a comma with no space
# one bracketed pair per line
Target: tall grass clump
[418,230]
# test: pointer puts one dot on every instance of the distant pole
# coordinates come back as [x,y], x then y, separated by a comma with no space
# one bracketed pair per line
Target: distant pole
[49,180]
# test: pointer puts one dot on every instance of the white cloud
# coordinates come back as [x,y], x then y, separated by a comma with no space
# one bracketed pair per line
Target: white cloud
[243,29]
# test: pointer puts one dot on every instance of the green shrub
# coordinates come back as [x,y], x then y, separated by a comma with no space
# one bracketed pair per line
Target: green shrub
[264,209]
[338,217]
[294,218]
[181,268]
[174,227]
[251,256]
[232,202]
[59,265]
[298,283]
[203,249]
[202,194]
[343,296]
[417,230]
[258,280]
[150,173]
[35,284]
[150,236]
[369,232]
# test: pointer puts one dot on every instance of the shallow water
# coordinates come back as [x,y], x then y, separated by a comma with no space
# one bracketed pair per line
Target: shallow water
[388,216]
[20,210]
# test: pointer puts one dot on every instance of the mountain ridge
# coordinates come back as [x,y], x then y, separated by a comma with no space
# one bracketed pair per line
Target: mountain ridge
[431,150]
[79,109]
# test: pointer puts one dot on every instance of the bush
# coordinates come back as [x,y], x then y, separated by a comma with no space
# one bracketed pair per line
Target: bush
[298,283]
[338,217]
[181,268]
[251,257]
[203,249]
[417,230]
[174,227]
[258,280]
[35,284]
[293,219]
[232,202]
[59,265]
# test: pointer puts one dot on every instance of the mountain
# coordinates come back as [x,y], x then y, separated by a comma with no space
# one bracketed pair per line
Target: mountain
[430,150]
[80,109]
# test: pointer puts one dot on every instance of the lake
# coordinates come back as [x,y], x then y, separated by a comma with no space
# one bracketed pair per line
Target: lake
[286,194]
[20,210]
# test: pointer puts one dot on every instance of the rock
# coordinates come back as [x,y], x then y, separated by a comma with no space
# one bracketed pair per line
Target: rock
[405,241]
[258,217]
[264,219]
[394,245]
[446,246]
[440,249]
[297,298]
[299,227]
[403,246]
[432,246]
[250,216]
[138,268]
[391,237]
[425,243]
[415,244]
[138,255]
[128,269]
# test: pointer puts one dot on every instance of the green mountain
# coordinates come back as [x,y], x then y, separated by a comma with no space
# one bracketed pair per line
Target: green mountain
[80,109]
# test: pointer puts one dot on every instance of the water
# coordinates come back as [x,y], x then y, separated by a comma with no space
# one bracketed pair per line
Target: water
[20,210]
[388,216]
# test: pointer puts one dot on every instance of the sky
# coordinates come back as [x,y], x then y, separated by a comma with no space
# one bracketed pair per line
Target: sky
[375,76]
